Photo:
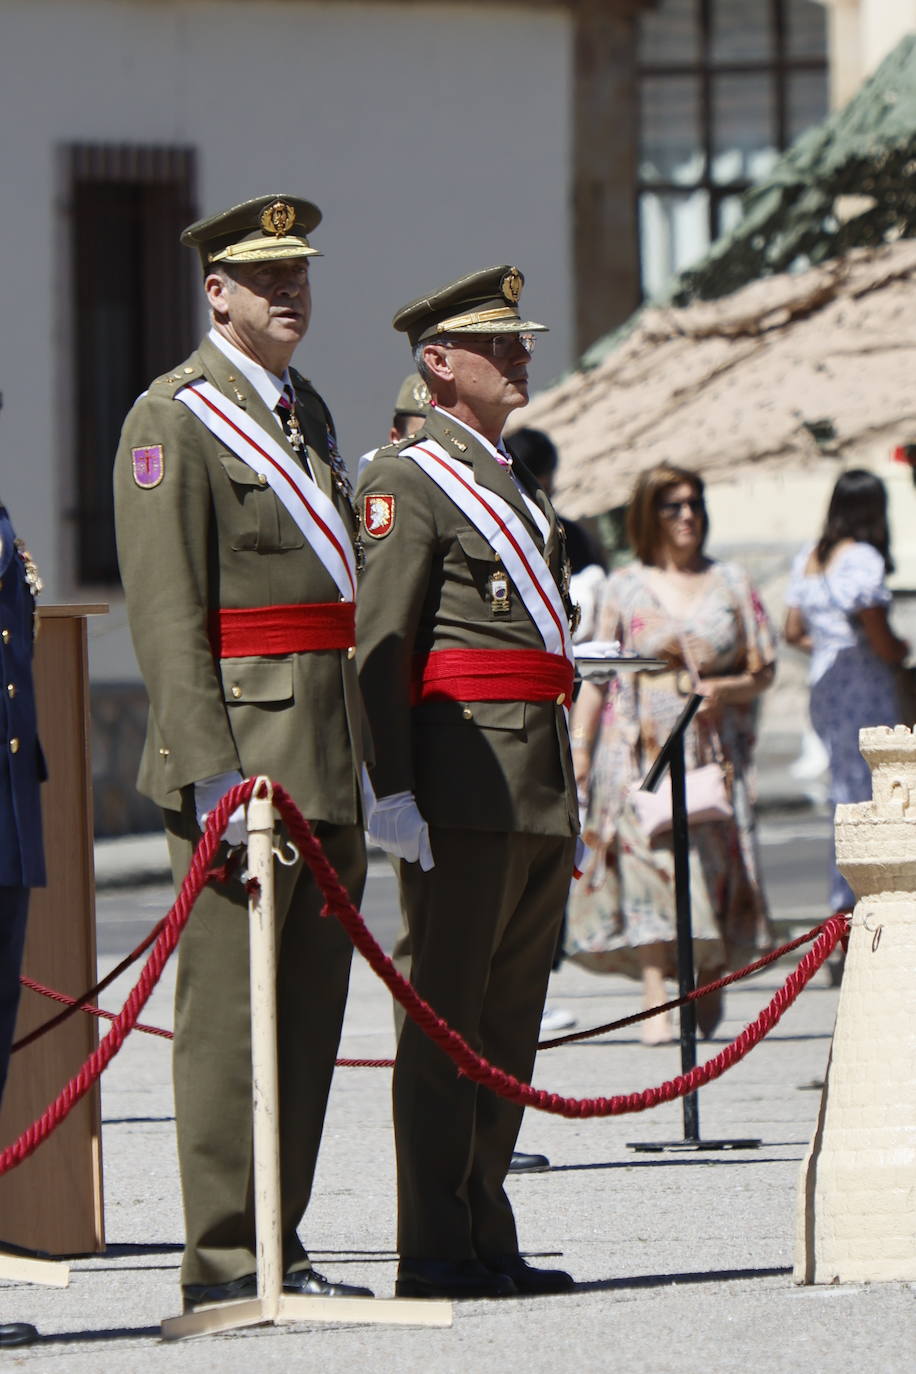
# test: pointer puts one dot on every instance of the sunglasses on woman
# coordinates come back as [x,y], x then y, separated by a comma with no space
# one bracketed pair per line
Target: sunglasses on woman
[670,510]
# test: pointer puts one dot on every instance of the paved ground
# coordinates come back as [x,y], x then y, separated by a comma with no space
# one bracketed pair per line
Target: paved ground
[683,1260]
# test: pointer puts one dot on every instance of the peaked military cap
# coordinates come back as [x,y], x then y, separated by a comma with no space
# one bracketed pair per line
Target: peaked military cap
[483,303]
[413,397]
[266,229]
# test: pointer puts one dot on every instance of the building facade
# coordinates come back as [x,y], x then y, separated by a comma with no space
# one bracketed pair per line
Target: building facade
[598,143]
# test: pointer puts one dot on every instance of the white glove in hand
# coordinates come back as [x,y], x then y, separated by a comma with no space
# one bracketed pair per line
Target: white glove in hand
[368,792]
[397,827]
[208,792]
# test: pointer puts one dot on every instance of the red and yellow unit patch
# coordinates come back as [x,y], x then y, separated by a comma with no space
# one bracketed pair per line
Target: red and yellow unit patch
[148,465]
[378,515]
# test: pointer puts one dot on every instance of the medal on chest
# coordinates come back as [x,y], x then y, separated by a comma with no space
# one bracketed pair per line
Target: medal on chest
[500,603]
[294,435]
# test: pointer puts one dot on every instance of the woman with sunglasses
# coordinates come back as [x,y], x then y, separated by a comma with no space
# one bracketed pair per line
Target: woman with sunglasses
[704,619]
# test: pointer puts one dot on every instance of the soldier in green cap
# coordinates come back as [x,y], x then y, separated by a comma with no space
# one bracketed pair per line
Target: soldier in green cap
[466,667]
[237,537]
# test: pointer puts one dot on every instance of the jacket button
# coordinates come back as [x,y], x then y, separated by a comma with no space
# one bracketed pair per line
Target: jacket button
[561,698]
[164,753]
[468,713]
[262,479]
[14,745]
[11,689]
[5,636]
[351,652]
[236,690]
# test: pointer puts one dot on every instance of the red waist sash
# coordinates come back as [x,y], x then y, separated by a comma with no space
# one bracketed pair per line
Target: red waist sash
[491,675]
[257,630]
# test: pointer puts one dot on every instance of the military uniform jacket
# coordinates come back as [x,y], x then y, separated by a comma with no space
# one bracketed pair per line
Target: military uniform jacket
[22,765]
[497,765]
[210,535]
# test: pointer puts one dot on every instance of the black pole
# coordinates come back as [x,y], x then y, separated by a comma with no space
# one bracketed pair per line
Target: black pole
[671,756]
[684,926]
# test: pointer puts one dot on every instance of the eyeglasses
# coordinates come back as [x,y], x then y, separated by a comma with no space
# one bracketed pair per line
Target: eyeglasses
[499,346]
[670,510]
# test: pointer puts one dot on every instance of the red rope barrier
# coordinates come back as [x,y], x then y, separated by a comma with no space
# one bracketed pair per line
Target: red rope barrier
[694,996]
[467,1061]
[473,1066]
[82,1004]
[124,1022]
[84,1001]
[74,1004]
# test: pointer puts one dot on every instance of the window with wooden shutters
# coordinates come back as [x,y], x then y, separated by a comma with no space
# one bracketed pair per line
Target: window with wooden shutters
[132,309]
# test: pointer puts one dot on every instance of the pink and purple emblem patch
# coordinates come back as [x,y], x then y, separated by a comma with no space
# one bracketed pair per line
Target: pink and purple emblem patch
[148,465]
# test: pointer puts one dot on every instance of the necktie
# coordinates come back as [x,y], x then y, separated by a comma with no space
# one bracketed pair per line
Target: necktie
[286,410]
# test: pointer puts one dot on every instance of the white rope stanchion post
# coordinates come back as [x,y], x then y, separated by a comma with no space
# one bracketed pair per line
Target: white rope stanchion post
[21,1269]
[264,1077]
[272,1305]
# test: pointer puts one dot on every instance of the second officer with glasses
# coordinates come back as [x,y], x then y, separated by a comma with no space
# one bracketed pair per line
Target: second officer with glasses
[464,648]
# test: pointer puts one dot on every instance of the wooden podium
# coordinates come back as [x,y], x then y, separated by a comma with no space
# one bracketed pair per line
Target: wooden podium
[52,1202]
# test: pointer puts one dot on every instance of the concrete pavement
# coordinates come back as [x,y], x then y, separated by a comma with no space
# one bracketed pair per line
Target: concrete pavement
[683,1260]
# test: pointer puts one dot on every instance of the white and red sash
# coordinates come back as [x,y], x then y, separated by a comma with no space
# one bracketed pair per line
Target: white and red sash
[504,531]
[314,513]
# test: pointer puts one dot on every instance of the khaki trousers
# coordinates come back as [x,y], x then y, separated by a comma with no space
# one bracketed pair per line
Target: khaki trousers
[212,1050]
[483,928]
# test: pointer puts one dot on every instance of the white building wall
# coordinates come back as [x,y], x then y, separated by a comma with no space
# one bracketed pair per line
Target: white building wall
[862,33]
[434,137]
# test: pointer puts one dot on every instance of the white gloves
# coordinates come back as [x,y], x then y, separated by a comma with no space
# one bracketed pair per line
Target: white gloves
[208,792]
[396,826]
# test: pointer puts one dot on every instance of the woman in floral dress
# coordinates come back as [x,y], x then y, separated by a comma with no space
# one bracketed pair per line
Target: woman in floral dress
[838,600]
[704,619]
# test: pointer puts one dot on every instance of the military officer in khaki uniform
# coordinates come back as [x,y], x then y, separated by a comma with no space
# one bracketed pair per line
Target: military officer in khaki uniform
[465,664]
[236,539]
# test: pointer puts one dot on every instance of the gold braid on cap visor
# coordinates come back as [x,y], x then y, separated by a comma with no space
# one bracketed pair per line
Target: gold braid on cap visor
[251,249]
[477,317]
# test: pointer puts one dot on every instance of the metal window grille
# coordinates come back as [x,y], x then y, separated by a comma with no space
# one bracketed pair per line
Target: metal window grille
[723,84]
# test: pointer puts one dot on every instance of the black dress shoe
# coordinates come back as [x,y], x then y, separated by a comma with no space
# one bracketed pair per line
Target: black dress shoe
[17,1333]
[528,1164]
[527,1279]
[315,1285]
[303,1281]
[233,1290]
[426,1278]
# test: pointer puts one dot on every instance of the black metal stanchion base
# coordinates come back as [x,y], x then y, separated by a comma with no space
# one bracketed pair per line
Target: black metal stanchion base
[659,1147]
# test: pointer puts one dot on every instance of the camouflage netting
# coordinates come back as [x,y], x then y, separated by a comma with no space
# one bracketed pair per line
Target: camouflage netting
[848,183]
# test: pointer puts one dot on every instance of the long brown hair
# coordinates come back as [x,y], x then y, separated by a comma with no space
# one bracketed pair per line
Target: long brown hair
[643,519]
[857,510]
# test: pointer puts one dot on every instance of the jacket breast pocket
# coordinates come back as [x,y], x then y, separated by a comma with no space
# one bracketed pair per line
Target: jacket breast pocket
[261,523]
[257,681]
[480,560]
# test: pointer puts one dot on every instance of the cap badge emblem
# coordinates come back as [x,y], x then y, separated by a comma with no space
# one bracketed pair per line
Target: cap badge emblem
[278,218]
[511,285]
[378,515]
